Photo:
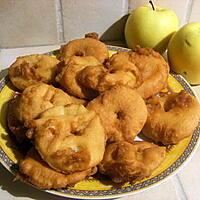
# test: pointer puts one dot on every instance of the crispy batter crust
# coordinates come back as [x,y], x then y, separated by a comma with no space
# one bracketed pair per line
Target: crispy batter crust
[28,70]
[172,117]
[124,161]
[68,77]
[153,68]
[102,79]
[84,47]
[69,138]
[37,98]
[37,172]
[122,111]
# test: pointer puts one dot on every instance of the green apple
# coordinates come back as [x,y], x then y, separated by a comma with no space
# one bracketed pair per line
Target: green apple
[150,27]
[184,52]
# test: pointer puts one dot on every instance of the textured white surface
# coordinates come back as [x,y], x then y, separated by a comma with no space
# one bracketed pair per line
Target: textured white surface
[165,191]
[183,186]
[80,17]
[26,23]
[190,177]
[195,14]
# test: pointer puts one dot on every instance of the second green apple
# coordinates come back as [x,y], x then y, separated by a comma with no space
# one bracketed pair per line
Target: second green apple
[150,27]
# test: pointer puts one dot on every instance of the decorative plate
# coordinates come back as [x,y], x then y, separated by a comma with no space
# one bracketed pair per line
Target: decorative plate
[99,187]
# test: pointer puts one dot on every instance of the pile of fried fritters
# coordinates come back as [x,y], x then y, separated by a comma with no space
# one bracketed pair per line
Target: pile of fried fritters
[82,111]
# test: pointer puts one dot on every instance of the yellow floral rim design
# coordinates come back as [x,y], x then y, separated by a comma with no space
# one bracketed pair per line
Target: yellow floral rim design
[99,187]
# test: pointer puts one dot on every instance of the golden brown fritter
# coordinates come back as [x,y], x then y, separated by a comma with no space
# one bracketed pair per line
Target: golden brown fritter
[120,61]
[84,47]
[90,76]
[37,172]
[122,111]
[68,77]
[30,69]
[153,68]
[172,117]
[125,75]
[102,79]
[124,161]
[69,139]
[37,98]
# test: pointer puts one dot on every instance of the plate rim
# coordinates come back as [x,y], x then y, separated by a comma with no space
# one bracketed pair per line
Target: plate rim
[73,193]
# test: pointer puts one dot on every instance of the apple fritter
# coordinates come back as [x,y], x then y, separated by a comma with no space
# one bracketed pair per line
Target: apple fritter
[122,111]
[68,77]
[172,117]
[90,76]
[85,47]
[126,75]
[69,138]
[30,69]
[37,98]
[102,78]
[125,162]
[36,171]
[153,68]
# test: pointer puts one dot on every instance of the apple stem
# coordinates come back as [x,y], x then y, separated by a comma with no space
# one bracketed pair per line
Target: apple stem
[152,5]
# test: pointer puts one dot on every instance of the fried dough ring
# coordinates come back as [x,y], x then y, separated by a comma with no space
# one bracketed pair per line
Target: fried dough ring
[126,74]
[102,79]
[68,77]
[70,139]
[84,47]
[154,70]
[171,118]
[28,70]
[152,66]
[90,76]
[37,98]
[124,161]
[122,111]
[37,172]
